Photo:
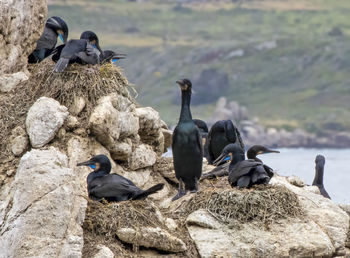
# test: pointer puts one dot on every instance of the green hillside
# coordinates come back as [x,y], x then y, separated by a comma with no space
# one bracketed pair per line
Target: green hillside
[287,61]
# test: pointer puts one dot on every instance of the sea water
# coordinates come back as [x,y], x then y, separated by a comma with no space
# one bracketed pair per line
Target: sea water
[301,162]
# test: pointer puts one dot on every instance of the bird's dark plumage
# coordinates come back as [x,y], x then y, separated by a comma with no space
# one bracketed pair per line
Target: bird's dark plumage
[203,129]
[319,171]
[54,27]
[187,145]
[85,50]
[251,171]
[112,187]
[222,133]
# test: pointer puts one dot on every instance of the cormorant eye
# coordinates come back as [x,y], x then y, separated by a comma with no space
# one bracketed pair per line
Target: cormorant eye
[93,166]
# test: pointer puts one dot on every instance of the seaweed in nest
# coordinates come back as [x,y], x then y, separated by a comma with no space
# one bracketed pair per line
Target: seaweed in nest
[86,81]
[260,204]
[102,220]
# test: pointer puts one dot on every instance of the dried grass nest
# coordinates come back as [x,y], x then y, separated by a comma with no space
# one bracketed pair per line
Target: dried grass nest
[87,81]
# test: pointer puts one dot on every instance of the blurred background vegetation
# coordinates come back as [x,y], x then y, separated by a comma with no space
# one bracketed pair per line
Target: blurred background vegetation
[287,61]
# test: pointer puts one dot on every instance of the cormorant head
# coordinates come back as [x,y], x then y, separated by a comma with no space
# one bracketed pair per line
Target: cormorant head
[92,38]
[231,152]
[60,26]
[320,161]
[185,85]
[98,163]
[257,150]
[109,55]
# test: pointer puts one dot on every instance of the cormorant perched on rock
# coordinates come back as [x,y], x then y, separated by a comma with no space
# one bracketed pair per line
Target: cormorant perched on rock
[187,145]
[112,187]
[319,170]
[203,129]
[222,133]
[109,55]
[54,27]
[251,171]
[85,50]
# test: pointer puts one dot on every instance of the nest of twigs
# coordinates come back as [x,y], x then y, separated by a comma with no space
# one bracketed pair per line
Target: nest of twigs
[86,81]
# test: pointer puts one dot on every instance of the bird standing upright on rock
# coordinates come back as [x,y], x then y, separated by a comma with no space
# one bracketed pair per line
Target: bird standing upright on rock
[54,27]
[319,171]
[222,133]
[187,145]
[112,187]
[85,50]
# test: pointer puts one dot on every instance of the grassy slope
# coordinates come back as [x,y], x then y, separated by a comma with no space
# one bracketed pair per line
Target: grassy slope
[304,81]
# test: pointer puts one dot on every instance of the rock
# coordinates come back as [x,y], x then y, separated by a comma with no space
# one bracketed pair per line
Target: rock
[203,219]
[44,119]
[152,238]
[168,135]
[9,81]
[346,208]
[104,252]
[165,166]
[21,25]
[297,181]
[18,141]
[122,103]
[44,188]
[72,122]
[171,224]
[129,124]
[77,106]
[122,150]
[149,119]
[143,156]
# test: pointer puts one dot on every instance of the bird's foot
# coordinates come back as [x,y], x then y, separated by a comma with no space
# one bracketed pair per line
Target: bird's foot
[179,195]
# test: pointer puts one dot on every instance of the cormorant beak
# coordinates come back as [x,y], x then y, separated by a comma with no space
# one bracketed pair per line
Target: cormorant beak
[182,85]
[267,151]
[117,57]
[88,163]
[223,158]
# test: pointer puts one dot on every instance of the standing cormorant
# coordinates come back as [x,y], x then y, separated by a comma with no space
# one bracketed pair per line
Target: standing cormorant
[319,170]
[187,145]
[222,133]
[84,50]
[251,171]
[54,27]
[112,187]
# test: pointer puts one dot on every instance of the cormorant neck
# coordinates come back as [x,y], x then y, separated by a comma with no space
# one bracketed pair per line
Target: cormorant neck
[318,180]
[237,157]
[185,107]
[251,154]
[96,174]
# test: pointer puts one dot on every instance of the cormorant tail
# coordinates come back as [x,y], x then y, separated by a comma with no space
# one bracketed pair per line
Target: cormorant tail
[61,65]
[147,192]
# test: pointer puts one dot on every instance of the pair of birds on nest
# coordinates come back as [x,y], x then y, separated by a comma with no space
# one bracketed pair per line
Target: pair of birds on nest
[223,147]
[85,50]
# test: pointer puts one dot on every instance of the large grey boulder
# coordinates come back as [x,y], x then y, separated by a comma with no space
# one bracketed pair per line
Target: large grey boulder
[41,213]
[43,121]
[143,156]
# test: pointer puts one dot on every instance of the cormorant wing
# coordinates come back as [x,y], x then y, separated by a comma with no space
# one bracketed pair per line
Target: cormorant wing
[89,56]
[47,40]
[56,53]
[73,47]
[199,141]
[241,168]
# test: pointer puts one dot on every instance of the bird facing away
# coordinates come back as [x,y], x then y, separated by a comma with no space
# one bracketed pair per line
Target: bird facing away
[319,171]
[54,27]
[222,133]
[187,145]
[203,129]
[248,172]
[112,187]
[111,56]
[85,50]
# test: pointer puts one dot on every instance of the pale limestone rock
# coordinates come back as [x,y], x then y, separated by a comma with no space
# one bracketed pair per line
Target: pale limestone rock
[171,224]
[203,219]
[42,213]
[168,135]
[297,181]
[8,82]
[19,141]
[128,123]
[77,106]
[143,156]
[104,252]
[122,150]
[150,121]
[72,122]
[121,103]
[44,119]
[152,237]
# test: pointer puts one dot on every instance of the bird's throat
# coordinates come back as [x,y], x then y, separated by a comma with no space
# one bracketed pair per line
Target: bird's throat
[185,114]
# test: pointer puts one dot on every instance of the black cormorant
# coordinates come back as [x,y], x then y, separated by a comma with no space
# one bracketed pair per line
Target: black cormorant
[187,145]
[111,56]
[222,133]
[319,170]
[251,171]
[203,129]
[54,27]
[85,50]
[112,187]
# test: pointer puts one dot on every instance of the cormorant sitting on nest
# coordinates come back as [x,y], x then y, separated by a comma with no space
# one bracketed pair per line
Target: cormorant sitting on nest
[251,171]
[187,145]
[85,50]
[222,133]
[54,27]
[112,187]
[319,170]
[111,56]
[203,129]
